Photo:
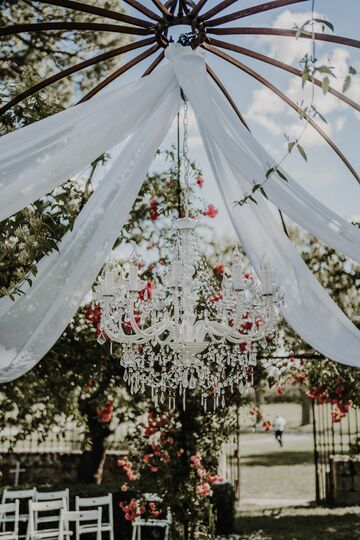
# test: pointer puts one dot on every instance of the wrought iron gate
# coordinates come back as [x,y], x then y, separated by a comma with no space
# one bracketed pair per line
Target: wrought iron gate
[336,455]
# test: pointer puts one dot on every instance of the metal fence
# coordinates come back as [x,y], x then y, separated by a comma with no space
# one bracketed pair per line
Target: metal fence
[69,440]
[332,439]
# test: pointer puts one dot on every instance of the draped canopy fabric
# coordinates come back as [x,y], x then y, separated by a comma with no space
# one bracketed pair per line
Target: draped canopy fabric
[36,159]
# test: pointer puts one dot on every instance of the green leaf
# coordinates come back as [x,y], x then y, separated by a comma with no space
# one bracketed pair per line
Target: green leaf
[301,151]
[324,69]
[291,146]
[282,175]
[252,199]
[346,84]
[262,190]
[324,22]
[269,171]
[352,70]
[325,84]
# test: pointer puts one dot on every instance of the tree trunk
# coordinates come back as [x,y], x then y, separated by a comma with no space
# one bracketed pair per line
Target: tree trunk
[92,461]
[305,409]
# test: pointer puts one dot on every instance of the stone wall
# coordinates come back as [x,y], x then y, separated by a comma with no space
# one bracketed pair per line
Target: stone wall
[53,468]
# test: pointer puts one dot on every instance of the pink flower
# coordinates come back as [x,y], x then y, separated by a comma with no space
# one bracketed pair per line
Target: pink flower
[124,487]
[196,461]
[154,469]
[203,489]
[147,458]
[200,181]
[211,211]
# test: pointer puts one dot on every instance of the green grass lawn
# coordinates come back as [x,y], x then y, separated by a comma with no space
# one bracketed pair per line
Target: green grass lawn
[300,524]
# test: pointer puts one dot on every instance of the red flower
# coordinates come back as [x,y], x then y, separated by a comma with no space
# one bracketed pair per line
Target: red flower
[105,413]
[219,269]
[211,211]
[200,181]
[147,292]
[280,390]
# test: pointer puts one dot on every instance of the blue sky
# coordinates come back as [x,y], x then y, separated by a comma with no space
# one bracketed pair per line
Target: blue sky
[323,175]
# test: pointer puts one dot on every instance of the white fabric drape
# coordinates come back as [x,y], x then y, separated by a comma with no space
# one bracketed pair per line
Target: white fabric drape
[39,157]
[251,161]
[30,326]
[309,309]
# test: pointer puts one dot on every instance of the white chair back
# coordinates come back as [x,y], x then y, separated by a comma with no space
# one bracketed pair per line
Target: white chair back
[54,496]
[23,496]
[105,501]
[13,510]
[80,517]
[161,522]
[47,507]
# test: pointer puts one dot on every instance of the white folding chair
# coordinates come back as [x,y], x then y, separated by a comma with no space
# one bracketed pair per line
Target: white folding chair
[13,510]
[81,519]
[52,496]
[24,495]
[48,507]
[164,523]
[91,502]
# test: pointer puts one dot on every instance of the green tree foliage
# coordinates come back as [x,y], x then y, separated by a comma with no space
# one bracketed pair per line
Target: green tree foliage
[25,59]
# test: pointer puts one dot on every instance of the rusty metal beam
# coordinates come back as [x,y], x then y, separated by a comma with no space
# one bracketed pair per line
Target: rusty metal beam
[250,11]
[280,65]
[218,82]
[143,9]
[154,64]
[119,72]
[286,99]
[254,31]
[198,7]
[50,26]
[101,12]
[74,69]
[216,9]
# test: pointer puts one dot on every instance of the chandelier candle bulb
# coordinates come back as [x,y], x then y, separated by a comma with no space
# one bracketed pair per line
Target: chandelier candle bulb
[266,279]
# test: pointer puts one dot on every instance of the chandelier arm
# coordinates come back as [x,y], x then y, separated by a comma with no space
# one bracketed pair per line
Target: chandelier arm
[64,25]
[284,97]
[133,62]
[227,95]
[101,12]
[162,8]
[281,65]
[250,11]
[143,9]
[198,7]
[74,69]
[285,33]
[154,64]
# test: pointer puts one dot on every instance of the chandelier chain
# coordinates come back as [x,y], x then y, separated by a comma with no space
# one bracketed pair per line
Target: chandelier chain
[186,156]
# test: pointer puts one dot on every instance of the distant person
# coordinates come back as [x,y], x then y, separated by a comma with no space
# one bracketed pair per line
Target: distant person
[279,427]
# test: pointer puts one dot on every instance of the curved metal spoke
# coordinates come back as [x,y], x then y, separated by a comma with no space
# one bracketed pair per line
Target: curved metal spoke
[284,97]
[154,64]
[100,27]
[220,7]
[251,11]
[218,82]
[102,12]
[143,9]
[198,7]
[249,30]
[73,69]
[119,72]
[280,65]
[161,7]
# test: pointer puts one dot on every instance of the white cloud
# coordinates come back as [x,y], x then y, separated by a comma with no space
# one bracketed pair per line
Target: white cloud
[289,49]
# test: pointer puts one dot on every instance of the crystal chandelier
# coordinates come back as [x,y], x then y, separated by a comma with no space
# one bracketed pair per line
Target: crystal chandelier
[177,338]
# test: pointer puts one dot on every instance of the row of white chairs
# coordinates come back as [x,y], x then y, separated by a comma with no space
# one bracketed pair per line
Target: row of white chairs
[46,508]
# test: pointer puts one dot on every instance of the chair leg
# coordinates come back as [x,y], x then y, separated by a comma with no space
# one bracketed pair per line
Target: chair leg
[134,532]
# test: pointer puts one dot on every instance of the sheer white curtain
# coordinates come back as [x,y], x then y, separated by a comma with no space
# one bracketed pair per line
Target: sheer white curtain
[251,161]
[43,155]
[37,158]
[30,326]
[235,157]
